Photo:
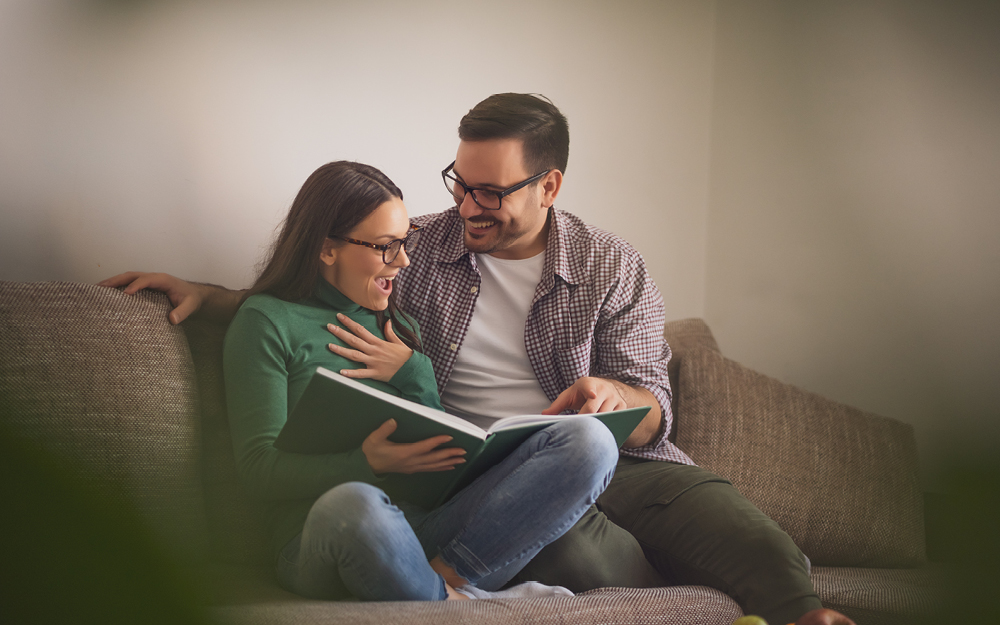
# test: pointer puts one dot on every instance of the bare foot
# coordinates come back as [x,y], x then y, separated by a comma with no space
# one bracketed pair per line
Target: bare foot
[823,616]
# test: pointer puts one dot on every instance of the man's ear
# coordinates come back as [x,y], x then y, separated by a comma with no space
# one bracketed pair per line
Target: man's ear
[550,185]
[328,255]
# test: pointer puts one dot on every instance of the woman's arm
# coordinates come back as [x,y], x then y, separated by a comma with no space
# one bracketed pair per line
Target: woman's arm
[254,358]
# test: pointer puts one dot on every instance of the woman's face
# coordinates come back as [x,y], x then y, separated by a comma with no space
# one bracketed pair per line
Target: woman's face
[358,271]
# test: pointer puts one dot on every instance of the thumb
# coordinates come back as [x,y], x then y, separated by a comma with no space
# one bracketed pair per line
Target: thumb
[390,335]
[384,430]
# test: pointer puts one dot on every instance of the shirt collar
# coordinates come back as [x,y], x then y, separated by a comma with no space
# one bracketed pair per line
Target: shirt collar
[558,258]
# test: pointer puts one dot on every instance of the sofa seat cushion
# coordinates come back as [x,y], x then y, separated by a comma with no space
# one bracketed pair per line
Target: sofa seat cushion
[843,483]
[881,596]
[680,605]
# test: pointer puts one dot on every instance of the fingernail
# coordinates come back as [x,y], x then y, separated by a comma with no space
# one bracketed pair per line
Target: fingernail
[341,315]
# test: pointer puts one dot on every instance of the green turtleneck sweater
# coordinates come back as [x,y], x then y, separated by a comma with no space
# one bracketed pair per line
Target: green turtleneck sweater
[271,351]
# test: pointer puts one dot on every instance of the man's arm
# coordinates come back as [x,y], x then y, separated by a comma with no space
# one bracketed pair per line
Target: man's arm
[209,301]
[590,395]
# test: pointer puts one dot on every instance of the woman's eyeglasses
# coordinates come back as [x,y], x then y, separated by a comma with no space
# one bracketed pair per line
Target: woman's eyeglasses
[391,249]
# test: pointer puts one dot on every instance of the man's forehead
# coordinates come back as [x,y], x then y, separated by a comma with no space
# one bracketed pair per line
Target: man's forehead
[496,162]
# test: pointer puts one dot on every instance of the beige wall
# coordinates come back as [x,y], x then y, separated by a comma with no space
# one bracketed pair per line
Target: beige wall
[854,220]
[172,135]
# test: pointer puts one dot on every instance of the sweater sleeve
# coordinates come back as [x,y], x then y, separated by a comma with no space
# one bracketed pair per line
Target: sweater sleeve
[255,357]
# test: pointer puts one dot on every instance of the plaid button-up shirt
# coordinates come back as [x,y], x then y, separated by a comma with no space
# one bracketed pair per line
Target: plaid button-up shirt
[595,312]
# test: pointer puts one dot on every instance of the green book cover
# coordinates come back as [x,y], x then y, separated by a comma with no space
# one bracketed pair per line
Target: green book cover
[336,414]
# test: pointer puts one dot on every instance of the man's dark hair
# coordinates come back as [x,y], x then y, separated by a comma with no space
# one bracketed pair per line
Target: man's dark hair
[532,119]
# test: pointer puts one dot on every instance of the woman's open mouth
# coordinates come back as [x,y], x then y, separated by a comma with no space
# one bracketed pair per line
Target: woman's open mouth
[384,284]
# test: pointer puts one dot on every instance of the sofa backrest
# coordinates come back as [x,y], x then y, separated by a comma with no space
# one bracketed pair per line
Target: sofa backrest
[104,381]
[843,483]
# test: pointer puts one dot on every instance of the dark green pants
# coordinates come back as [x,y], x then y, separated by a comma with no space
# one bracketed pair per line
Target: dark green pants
[665,524]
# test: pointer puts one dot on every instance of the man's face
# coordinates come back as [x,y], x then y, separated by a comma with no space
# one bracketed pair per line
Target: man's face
[518,229]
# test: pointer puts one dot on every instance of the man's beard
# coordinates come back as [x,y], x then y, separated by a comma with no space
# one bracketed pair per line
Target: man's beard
[500,237]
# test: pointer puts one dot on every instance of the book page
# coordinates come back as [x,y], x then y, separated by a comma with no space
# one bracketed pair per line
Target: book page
[435,415]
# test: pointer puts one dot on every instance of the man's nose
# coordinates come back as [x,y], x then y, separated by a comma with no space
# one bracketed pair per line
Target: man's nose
[468,208]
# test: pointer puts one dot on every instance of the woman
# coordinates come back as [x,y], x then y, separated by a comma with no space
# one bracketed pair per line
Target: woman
[334,533]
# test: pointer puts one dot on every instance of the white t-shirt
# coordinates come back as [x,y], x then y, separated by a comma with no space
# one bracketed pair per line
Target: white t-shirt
[493,377]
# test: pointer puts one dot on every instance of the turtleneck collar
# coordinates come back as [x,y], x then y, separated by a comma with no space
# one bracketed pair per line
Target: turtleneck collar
[329,295]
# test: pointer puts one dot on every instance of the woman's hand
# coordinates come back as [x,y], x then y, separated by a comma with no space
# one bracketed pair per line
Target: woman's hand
[382,358]
[385,456]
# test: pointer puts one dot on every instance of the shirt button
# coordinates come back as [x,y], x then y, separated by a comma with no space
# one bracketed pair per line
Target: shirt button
[453,346]
[473,290]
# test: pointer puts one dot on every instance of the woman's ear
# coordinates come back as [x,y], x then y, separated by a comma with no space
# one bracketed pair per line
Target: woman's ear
[329,252]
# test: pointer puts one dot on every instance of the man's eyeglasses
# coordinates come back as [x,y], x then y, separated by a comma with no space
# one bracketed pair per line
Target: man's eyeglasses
[391,249]
[490,200]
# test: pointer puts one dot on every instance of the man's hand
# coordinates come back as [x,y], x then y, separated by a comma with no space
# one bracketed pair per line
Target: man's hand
[590,395]
[384,456]
[382,359]
[188,298]
[587,396]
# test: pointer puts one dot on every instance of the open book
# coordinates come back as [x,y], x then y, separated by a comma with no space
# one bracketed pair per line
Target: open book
[336,414]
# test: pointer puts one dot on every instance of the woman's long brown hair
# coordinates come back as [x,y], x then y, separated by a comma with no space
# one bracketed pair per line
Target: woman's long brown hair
[333,201]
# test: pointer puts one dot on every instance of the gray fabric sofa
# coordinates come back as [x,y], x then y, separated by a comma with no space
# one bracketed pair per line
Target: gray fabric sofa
[103,380]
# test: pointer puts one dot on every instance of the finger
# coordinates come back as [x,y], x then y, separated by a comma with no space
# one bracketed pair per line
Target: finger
[594,404]
[347,337]
[383,431]
[183,310]
[140,283]
[442,466]
[563,402]
[120,280]
[358,374]
[426,445]
[390,335]
[357,328]
[350,354]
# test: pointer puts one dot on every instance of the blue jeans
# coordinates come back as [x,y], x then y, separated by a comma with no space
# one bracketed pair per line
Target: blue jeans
[357,543]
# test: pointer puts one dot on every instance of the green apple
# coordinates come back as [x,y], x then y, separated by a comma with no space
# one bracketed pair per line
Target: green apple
[750,619]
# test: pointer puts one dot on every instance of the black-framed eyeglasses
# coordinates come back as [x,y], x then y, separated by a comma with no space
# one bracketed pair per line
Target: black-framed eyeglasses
[391,249]
[485,198]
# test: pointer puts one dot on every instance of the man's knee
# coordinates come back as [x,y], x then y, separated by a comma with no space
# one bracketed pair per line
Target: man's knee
[594,553]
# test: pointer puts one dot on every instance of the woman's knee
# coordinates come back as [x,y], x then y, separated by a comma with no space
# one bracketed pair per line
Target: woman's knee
[589,441]
[350,506]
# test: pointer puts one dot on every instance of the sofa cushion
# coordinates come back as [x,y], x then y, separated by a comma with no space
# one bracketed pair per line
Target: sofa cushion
[843,483]
[104,381]
[678,605]
[882,596]
[684,336]
[236,527]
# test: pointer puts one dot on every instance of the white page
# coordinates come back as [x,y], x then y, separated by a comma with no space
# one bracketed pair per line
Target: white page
[436,415]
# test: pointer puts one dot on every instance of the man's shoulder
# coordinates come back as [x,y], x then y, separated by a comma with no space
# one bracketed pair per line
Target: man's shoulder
[587,244]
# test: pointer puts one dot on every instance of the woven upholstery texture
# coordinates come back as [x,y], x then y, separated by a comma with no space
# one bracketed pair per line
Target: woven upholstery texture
[679,605]
[683,336]
[236,527]
[843,483]
[880,596]
[104,381]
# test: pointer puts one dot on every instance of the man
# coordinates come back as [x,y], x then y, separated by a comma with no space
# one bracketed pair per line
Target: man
[524,308]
